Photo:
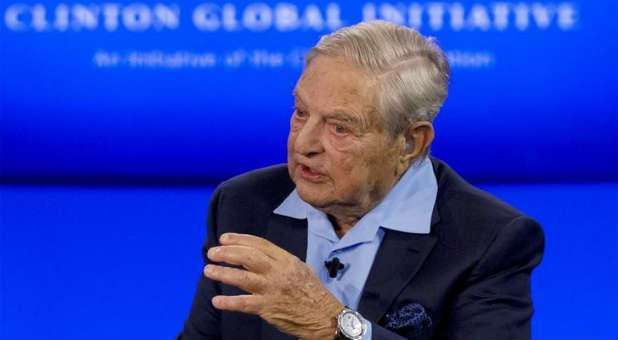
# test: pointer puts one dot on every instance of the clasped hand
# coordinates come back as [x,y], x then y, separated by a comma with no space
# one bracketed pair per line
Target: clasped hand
[283,290]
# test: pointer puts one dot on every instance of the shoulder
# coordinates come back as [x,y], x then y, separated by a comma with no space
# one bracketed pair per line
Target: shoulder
[487,250]
[459,196]
[472,218]
[266,187]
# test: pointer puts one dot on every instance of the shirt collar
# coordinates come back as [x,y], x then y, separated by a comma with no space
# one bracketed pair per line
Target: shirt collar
[293,206]
[407,207]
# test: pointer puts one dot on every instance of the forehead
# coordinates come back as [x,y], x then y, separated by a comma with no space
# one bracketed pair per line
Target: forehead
[329,84]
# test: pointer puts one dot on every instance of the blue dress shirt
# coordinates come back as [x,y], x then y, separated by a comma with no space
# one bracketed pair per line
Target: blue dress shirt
[407,207]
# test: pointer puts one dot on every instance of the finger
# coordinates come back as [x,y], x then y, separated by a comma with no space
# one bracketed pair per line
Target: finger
[239,303]
[253,241]
[243,279]
[250,258]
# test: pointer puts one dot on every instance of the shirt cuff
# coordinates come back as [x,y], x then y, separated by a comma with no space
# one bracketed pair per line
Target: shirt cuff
[367,335]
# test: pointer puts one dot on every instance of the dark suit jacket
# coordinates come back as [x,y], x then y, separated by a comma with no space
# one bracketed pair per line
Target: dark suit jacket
[471,273]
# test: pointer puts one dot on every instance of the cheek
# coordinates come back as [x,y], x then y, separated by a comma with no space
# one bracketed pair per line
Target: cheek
[291,138]
[291,142]
[346,144]
[349,151]
[291,163]
[355,166]
[294,124]
[294,128]
[347,168]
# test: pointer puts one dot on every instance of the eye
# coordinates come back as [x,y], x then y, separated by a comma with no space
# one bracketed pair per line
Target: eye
[340,129]
[300,113]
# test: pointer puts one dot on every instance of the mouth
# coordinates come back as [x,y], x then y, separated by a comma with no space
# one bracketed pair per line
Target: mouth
[310,174]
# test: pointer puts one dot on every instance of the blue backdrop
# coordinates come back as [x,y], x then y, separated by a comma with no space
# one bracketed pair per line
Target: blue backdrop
[200,90]
[97,97]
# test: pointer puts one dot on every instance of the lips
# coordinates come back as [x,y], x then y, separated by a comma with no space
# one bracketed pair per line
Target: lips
[310,173]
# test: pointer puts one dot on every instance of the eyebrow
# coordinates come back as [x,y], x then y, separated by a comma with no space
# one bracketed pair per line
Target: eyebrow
[337,114]
[297,96]
[342,116]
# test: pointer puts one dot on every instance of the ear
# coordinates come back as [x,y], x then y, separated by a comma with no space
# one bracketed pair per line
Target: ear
[418,138]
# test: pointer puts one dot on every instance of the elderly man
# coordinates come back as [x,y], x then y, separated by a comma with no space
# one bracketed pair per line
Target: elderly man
[362,235]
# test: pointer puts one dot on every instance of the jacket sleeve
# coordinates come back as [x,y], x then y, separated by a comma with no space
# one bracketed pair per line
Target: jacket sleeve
[378,332]
[495,302]
[204,320]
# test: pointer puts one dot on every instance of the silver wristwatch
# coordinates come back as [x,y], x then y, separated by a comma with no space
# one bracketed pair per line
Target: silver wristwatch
[350,325]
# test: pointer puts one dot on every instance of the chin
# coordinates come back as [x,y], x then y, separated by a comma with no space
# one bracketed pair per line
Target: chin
[311,194]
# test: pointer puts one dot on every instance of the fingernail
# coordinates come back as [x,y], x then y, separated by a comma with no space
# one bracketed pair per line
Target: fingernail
[209,269]
[224,237]
[215,300]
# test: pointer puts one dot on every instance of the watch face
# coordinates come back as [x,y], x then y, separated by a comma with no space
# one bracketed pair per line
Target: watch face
[351,325]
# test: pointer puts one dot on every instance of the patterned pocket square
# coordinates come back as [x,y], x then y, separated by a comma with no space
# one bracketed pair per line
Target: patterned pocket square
[411,318]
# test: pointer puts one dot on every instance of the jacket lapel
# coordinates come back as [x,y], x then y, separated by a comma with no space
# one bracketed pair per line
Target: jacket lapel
[291,235]
[398,259]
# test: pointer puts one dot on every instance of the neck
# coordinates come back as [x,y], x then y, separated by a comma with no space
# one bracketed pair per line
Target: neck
[344,217]
[342,226]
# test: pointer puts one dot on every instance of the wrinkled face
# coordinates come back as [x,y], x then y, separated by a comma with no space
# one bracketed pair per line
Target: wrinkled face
[339,152]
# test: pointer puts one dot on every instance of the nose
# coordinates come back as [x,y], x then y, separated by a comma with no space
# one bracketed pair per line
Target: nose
[308,141]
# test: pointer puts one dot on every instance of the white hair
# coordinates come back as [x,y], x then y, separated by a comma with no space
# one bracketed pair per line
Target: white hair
[412,72]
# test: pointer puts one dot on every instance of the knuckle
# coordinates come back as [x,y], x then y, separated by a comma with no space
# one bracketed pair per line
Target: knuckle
[244,277]
[226,303]
[267,266]
[295,260]
[252,256]
[260,285]
[241,304]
